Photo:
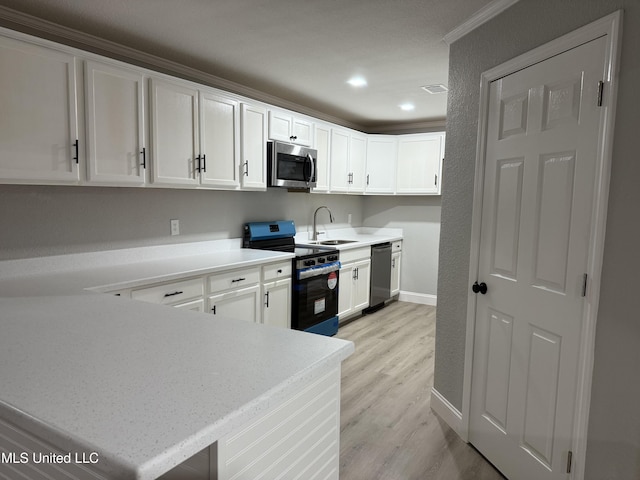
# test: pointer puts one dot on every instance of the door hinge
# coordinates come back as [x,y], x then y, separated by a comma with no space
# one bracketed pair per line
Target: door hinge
[600,92]
[569,461]
[585,277]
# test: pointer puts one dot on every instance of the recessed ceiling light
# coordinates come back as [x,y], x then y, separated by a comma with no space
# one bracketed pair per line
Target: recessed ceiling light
[407,107]
[433,89]
[357,82]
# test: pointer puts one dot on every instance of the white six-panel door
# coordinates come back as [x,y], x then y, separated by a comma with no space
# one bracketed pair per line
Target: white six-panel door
[541,153]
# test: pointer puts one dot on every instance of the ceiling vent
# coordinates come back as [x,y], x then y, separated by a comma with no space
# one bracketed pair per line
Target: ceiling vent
[433,89]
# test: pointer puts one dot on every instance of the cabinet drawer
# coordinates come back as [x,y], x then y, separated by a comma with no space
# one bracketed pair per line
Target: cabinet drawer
[233,279]
[170,293]
[276,271]
[354,254]
[396,246]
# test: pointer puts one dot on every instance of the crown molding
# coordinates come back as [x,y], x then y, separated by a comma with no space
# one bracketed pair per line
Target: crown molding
[38,27]
[483,15]
[413,127]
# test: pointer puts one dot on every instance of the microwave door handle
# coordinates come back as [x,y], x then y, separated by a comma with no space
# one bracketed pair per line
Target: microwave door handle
[313,167]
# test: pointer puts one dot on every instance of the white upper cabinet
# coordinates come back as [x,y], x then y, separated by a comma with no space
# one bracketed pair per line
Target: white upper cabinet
[254,147]
[322,136]
[219,141]
[116,151]
[174,133]
[357,161]
[382,151]
[340,173]
[348,159]
[419,163]
[38,115]
[285,127]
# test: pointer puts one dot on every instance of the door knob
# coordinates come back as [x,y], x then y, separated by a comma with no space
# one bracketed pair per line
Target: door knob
[481,288]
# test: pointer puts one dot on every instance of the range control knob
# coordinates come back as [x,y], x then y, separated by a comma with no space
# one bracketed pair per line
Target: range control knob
[332,258]
[308,263]
[320,259]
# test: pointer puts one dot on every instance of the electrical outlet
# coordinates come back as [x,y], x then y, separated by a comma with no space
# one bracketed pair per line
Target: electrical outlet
[175,226]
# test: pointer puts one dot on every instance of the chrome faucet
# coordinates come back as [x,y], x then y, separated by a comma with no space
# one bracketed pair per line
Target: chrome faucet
[314,233]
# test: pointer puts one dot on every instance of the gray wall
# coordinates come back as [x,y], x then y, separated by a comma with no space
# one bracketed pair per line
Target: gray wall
[419,218]
[48,220]
[613,450]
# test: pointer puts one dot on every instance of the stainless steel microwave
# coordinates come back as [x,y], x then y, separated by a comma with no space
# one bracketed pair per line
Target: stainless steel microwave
[291,166]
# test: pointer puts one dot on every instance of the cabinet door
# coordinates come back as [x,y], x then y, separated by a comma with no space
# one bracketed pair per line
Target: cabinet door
[242,304]
[195,305]
[38,119]
[381,164]
[277,303]
[345,292]
[396,259]
[280,126]
[174,133]
[357,161]
[115,125]
[219,145]
[419,161]
[322,145]
[254,148]
[301,131]
[340,173]
[362,285]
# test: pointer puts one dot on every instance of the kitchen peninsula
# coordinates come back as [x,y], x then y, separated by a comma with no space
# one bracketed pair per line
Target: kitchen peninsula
[140,388]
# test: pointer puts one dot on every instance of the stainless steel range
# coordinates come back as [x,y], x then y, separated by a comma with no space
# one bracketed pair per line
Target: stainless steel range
[316,273]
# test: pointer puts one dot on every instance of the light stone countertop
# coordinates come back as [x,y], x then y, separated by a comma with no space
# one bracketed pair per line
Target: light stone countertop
[146,386]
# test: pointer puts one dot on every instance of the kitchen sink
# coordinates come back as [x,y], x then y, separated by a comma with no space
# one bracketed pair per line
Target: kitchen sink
[335,242]
[328,242]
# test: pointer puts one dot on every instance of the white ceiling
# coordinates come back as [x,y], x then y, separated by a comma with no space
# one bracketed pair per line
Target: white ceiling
[303,51]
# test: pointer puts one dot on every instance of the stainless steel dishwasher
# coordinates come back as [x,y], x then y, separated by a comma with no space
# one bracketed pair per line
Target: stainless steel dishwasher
[380,276]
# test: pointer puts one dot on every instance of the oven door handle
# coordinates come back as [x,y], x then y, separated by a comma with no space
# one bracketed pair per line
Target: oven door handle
[318,270]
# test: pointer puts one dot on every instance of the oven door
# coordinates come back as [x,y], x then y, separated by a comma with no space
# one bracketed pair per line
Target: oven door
[315,295]
[291,165]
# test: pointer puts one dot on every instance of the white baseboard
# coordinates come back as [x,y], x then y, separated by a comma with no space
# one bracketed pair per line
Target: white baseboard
[422,298]
[447,412]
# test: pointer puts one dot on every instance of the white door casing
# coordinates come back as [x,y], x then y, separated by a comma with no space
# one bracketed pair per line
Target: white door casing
[528,197]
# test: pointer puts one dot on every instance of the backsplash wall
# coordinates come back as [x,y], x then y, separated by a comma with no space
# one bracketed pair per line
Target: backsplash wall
[53,220]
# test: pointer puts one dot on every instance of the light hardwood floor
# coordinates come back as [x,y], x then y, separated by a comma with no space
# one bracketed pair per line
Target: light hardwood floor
[388,430]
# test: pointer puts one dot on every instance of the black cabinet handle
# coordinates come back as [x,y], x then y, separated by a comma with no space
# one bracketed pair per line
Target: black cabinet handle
[237,280]
[279,270]
[144,157]
[266,304]
[479,288]
[213,309]
[173,294]
[75,145]
[204,162]
[198,159]
[246,168]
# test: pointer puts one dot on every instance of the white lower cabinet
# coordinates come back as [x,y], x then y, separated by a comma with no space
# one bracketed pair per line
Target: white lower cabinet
[276,294]
[194,305]
[235,294]
[241,304]
[396,263]
[260,294]
[172,293]
[355,281]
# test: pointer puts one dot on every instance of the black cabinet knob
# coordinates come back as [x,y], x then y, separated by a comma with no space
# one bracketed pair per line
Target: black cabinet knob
[479,288]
